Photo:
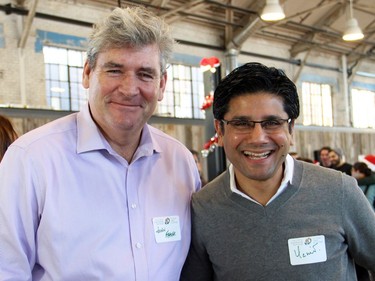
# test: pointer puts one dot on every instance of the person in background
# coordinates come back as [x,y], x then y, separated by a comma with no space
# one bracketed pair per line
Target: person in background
[338,163]
[366,180]
[324,160]
[269,216]
[7,135]
[197,159]
[100,194]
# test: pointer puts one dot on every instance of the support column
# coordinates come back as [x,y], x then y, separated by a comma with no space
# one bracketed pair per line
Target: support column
[346,86]
[231,63]
[216,160]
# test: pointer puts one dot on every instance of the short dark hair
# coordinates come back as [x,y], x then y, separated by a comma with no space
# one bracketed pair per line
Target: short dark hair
[194,152]
[253,78]
[362,168]
[328,148]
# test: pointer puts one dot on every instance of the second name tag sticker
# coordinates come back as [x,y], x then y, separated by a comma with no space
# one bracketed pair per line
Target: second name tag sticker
[307,250]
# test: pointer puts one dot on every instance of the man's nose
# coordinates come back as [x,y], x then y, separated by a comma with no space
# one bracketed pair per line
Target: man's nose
[129,84]
[258,132]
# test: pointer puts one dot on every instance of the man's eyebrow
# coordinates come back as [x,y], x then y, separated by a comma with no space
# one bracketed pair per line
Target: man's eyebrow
[267,117]
[272,117]
[148,69]
[112,64]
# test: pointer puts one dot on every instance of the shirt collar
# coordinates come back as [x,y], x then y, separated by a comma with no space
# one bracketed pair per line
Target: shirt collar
[148,145]
[287,178]
[89,136]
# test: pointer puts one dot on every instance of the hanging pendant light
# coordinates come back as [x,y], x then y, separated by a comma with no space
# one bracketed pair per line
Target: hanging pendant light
[272,11]
[352,31]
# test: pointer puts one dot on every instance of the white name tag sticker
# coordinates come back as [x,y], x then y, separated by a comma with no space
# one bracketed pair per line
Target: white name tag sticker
[306,250]
[167,229]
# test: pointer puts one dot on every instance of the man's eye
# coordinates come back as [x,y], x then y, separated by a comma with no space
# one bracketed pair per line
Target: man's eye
[271,123]
[146,76]
[240,123]
[113,71]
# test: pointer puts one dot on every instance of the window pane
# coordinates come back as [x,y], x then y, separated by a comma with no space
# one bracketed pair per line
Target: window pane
[63,73]
[54,72]
[75,58]
[316,104]
[55,55]
[363,108]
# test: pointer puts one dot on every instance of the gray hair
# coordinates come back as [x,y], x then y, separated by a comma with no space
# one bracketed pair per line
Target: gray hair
[130,27]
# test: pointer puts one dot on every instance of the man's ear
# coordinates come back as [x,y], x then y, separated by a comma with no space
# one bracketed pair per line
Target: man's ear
[219,132]
[86,75]
[162,85]
[291,132]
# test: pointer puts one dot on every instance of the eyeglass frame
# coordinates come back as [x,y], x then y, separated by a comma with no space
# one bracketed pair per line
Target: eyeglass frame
[251,127]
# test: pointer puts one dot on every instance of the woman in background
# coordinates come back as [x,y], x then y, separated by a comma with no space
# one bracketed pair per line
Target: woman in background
[7,135]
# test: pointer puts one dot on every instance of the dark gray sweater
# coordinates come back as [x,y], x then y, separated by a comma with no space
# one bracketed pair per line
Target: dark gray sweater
[236,239]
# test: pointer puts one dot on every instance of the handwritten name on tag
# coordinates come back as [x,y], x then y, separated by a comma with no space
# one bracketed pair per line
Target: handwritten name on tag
[167,229]
[306,250]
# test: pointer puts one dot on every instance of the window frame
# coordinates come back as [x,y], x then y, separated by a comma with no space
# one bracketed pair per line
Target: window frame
[184,93]
[64,90]
[317,104]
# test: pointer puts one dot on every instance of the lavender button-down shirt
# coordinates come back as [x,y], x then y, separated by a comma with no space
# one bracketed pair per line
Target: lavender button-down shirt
[72,209]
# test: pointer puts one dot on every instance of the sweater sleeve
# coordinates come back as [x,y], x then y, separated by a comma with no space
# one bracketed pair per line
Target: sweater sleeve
[359,224]
[197,266]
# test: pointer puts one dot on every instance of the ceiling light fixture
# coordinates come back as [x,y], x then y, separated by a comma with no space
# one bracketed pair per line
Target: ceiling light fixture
[272,11]
[352,31]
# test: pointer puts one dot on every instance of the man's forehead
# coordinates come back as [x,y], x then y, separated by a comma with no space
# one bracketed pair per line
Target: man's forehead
[275,104]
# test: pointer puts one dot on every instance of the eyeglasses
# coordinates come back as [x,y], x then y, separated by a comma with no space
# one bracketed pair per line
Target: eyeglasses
[246,126]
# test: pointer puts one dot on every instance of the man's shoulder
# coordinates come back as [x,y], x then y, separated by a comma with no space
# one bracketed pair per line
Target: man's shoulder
[47,131]
[163,138]
[325,180]
[214,189]
[210,200]
[321,175]
[313,169]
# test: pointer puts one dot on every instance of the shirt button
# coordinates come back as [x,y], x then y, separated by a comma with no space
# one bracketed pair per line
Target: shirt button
[138,245]
[134,206]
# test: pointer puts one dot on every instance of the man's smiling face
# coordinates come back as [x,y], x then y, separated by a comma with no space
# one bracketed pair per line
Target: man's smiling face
[258,154]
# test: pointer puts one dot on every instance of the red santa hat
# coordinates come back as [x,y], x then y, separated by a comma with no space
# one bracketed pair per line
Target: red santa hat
[370,161]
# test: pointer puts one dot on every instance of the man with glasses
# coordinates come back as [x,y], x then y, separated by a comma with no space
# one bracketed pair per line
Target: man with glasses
[269,216]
